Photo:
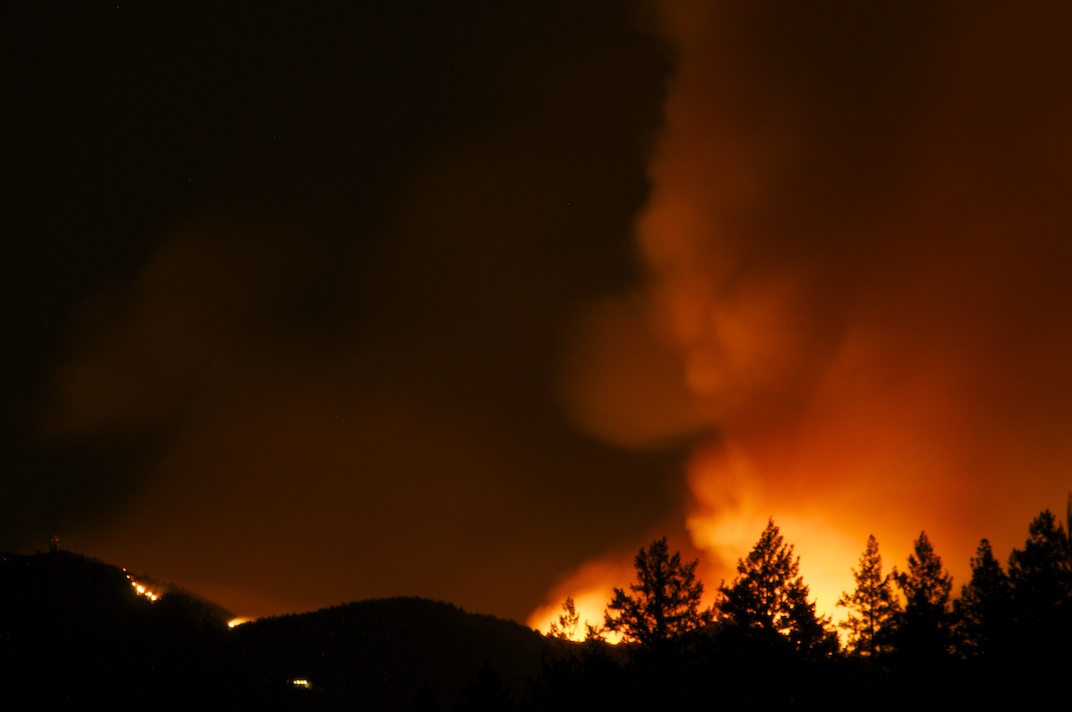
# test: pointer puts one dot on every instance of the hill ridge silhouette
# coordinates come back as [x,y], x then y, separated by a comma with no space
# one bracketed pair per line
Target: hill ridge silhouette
[75,630]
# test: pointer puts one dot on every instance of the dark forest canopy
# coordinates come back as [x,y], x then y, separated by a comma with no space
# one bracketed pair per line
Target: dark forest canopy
[1007,637]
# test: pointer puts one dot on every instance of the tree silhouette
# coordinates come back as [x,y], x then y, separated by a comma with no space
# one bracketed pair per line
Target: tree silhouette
[1041,577]
[769,597]
[924,628]
[872,607]
[486,693]
[663,605]
[984,609]
[1041,572]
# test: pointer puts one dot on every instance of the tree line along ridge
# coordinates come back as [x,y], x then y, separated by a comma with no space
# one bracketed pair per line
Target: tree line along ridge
[1009,623]
[885,610]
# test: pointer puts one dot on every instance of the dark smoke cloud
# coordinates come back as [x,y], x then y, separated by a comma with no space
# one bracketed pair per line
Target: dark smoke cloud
[353,242]
[315,306]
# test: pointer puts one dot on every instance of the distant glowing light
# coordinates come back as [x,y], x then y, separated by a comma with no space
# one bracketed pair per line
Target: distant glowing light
[590,604]
[591,587]
[301,682]
[235,622]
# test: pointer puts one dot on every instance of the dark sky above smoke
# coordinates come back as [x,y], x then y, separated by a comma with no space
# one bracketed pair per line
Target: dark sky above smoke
[287,290]
[306,305]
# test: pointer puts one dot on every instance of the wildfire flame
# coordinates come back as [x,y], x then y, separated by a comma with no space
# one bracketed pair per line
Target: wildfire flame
[144,589]
[591,588]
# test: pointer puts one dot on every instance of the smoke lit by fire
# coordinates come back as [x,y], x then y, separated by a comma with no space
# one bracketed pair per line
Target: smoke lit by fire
[857,245]
[350,312]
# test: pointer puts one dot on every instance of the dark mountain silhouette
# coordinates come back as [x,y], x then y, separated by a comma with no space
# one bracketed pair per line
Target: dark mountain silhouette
[75,632]
[386,654]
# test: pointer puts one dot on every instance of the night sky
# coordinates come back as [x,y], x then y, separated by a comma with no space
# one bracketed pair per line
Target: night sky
[469,300]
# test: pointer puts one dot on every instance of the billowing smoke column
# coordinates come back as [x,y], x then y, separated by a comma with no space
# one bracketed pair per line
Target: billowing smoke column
[857,246]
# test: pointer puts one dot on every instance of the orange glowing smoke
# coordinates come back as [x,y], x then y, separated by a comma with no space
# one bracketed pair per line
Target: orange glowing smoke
[856,244]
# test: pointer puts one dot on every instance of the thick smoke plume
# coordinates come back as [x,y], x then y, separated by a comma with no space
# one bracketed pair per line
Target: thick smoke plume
[857,241]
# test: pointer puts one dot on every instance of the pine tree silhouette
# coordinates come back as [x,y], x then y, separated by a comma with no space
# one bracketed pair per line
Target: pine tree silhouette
[984,609]
[663,605]
[872,607]
[924,631]
[769,597]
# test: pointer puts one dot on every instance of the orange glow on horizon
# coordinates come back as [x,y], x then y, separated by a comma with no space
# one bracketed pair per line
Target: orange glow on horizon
[591,587]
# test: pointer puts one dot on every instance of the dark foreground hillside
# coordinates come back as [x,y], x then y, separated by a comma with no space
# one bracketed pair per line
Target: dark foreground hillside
[74,630]
[394,653]
[74,633]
